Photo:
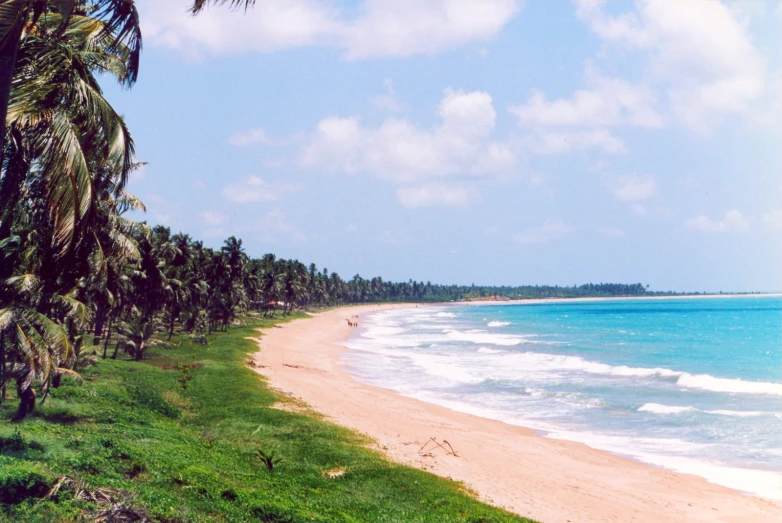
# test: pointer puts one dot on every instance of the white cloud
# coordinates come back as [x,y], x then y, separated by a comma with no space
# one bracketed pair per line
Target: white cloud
[546,233]
[698,52]
[212,218]
[351,228]
[435,194]
[274,225]
[560,142]
[634,189]
[399,151]
[408,27]
[607,102]
[213,223]
[732,221]
[610,232]
[255,189]
[391,237]
[388,101]
[269,26]
[248,137]
[379,28]
[773,219]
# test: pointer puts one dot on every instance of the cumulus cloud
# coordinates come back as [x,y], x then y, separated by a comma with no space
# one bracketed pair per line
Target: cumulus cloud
[607,102]
[560,142]
[461,146]
[391,237]
[388,101]
[731,222]
[698,52]
[408,27]
[435,194]
[213,223]
[248,137]
[633,189]
[275,225]
[377,28]
[212,218]
[255,189]
[546,233]
[610,232]
[773,219]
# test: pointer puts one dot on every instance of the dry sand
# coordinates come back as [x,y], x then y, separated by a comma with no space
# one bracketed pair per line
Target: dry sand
[549,480]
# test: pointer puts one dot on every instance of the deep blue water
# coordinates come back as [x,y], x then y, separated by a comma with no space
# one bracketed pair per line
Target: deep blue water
[690,384]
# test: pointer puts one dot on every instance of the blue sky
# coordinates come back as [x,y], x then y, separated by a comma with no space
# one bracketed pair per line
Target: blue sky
[461,141]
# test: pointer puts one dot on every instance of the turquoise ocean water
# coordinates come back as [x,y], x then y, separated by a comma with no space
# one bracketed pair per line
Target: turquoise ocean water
[692,384]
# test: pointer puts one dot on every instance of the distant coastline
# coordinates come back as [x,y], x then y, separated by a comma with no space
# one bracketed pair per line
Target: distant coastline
[610,298]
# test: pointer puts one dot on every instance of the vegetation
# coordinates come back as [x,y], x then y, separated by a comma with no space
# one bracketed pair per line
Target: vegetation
[216,450]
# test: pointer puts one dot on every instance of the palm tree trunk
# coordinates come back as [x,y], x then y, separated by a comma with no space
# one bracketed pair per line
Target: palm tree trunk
[7,64]
[2,367]
[171,325]
[26,400]
[108,336]
[100,319]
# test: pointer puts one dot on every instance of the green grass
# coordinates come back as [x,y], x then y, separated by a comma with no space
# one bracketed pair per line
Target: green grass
[184,450]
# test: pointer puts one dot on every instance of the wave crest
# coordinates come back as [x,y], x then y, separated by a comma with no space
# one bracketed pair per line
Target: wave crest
[498,324]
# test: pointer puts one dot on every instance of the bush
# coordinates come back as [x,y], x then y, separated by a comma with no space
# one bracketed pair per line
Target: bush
[273,514]
[21,481]
[17,443]
[147,397]
[14,443]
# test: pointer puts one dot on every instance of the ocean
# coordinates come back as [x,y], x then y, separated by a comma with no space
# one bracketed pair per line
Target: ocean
[689,384]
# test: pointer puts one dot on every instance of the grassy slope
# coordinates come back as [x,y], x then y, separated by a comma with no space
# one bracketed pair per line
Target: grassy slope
[187,454]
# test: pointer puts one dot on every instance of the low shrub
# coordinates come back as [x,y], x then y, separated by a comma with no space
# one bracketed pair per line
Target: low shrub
[20,481]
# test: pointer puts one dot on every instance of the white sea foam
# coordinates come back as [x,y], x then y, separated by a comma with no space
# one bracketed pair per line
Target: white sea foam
[444,367]
[740,413]
[445,315]
[393,336]
[498,324]
[656,408]
[707,382]
[666,452]
[485,338]
[492,373]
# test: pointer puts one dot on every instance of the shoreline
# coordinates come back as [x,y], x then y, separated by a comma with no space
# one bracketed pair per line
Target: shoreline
[506,465]
[608,298]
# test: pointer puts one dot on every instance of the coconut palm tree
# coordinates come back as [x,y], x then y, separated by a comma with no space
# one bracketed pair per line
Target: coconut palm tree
[121,24]
[138,335]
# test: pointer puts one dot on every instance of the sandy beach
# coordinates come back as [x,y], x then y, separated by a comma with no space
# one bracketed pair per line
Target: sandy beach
[512,467]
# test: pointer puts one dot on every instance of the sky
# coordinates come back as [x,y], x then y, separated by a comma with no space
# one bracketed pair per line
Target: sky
[471,141]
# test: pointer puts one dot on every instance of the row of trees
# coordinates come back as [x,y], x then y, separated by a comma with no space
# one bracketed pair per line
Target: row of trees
[68,256]
[79,280]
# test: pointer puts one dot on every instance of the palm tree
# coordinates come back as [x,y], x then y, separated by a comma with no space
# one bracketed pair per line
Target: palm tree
[121,25]
[60,122]
[138,335]
[20,18]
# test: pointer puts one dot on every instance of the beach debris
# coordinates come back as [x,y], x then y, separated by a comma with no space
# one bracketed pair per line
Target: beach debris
[292,366]
[112,501]
[449,450]
[334,473]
